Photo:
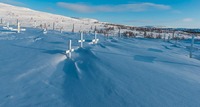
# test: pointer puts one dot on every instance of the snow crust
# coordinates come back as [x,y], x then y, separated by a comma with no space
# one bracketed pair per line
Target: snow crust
[116,72]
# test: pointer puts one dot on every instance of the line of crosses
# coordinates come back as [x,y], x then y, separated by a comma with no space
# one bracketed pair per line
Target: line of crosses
[81,41]
[95,40]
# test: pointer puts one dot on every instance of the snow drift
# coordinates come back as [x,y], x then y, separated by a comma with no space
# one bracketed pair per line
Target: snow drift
[120,72]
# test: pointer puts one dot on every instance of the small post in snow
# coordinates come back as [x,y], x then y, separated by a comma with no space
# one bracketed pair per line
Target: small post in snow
[70,50]
[61,29]
[45,25]
[95,28]
[173,34]
[53,25]
[81,40]
[192,44]
[18,27]
[45,29]
[35,24]
[176,37]
[119,33]
[95,40]
[164,37]
[1,21]
[168,38]
[17,21]
[73,29]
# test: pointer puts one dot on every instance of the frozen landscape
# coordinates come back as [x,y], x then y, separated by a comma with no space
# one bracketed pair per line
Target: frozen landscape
[32,18]
[117,71]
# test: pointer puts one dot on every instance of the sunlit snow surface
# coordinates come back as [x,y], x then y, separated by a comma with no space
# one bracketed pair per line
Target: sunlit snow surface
[116,72]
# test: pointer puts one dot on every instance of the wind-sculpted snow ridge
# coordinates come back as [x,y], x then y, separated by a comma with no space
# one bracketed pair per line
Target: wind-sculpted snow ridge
[116,72]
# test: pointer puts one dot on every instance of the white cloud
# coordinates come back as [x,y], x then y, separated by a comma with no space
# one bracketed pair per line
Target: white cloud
[138,7]
[188,20]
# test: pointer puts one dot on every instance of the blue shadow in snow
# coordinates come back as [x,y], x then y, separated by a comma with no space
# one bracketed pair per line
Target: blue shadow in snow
[114,40]
[149,59]
[155,50]
[86,57]
[166,47]
[43,50]
[70,69]
[57,42]
[178,63]
[196,57]
[79,77]
[101,45]
[123,55]
[175,46]
[54,51]
[7,31]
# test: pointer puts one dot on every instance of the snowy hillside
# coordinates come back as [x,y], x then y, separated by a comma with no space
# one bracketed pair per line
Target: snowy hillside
[116,72]
[126,68]
[29,18]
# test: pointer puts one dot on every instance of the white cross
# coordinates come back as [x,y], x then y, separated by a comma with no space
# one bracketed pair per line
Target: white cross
[8,25]
[18,27]
[95,40]
[81,40]
[70,50]
[45,31]
[164,36]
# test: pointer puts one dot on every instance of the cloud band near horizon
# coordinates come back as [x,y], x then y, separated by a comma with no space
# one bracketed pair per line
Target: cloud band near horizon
[137,7]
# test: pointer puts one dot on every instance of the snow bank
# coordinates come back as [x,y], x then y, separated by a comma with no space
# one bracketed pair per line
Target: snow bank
[120,72]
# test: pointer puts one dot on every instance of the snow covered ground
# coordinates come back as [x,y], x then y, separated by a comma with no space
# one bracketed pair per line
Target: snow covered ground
[116,72]
[31,18]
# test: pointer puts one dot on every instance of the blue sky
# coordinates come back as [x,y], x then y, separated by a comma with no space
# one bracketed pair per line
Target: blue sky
[171,13]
